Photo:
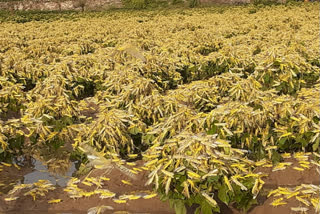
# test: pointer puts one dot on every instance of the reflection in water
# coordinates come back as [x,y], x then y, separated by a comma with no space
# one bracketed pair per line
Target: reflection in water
[41,172]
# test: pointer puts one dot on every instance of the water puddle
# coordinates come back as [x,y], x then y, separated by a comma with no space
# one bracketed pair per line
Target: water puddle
[58,172]
[42,172]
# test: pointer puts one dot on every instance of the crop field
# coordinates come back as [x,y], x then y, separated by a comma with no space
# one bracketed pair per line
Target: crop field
[208,109]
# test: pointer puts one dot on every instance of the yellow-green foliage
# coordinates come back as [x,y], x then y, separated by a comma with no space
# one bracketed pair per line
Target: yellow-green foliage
[170,86]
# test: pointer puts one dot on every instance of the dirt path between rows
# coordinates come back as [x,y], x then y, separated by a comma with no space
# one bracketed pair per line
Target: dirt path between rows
[25,204]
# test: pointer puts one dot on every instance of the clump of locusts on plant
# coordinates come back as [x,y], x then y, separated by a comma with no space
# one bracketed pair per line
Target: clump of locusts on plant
[201,169]
[202,103]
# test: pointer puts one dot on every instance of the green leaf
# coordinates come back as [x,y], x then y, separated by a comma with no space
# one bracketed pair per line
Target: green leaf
[282,142]
[266,78]
[276,157]
[179,207]
[163,197]
[206,208]
[189,202]
[216,209]
[198,210]
[246,203]
[213,130]
[315,146]
[134,130]
[249,182]
[226,150]
[303,142]
[213,178]
[198,199]
[171,203]
[222,194]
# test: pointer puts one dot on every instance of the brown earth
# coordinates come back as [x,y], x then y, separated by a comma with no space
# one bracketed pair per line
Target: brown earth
[266,208]
[9,176]
[290,176]
[285,178]
[25,204]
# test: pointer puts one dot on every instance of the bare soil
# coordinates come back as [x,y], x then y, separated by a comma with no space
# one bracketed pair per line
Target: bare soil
[25,204]
[290,176]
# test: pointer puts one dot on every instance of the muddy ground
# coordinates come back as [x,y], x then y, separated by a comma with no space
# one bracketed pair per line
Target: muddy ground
[25,204]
